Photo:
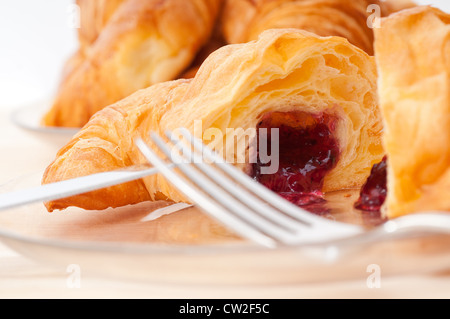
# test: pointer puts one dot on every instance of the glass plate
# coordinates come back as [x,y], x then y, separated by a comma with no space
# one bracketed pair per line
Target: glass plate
[29,117]
[149,242]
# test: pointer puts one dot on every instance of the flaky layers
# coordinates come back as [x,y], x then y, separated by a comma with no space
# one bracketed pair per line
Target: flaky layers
[94,16]
[284,71]
[142,43]
[126,45]
[413,57]
[244,20]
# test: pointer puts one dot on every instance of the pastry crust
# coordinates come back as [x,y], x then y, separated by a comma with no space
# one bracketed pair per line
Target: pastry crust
[285,70]
[94,16]
[244,20]
[413,58]
[143,42]
[126,45]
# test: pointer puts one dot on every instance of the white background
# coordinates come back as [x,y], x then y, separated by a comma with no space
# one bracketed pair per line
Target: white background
[35,40]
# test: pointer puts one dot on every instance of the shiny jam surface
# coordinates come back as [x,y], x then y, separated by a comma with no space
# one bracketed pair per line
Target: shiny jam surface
[307,151]
[373,193]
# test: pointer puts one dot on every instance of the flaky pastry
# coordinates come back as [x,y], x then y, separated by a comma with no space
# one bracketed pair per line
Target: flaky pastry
[141,43]
[413,57]
[244,20]
[126,45]
[320,90]
[93,17]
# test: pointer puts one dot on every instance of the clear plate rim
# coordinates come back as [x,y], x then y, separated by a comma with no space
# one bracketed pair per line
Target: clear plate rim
[34,111]
[165,248]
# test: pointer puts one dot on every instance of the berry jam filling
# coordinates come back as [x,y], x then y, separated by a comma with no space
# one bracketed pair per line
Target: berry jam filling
[307,151]
[373,193]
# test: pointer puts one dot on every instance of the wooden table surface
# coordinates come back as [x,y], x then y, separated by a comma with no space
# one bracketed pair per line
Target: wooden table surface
[25,152]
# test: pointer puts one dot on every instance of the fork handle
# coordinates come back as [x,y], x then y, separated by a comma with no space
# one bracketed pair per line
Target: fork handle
[71,187]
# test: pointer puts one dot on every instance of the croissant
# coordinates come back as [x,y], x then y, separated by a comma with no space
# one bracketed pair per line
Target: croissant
[318,93]
[94,16]
[141,43]
[245,19]
[413,57]
[126,45]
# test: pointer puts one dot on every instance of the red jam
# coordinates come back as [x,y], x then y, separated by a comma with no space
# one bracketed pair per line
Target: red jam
[307,152]
[373,193]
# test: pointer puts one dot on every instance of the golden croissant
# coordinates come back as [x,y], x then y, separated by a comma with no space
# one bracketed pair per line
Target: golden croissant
[318,93]
[139,44]
[126,45]
[94,16]
[244,20]
[412,50]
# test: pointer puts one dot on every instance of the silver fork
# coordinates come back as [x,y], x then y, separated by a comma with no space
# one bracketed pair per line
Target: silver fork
[258,214]
[235,199]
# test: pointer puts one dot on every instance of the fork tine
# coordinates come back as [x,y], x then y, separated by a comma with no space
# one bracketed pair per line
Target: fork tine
[236,190]
[256,188]
[234,206]
[337,228]
[206,203]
